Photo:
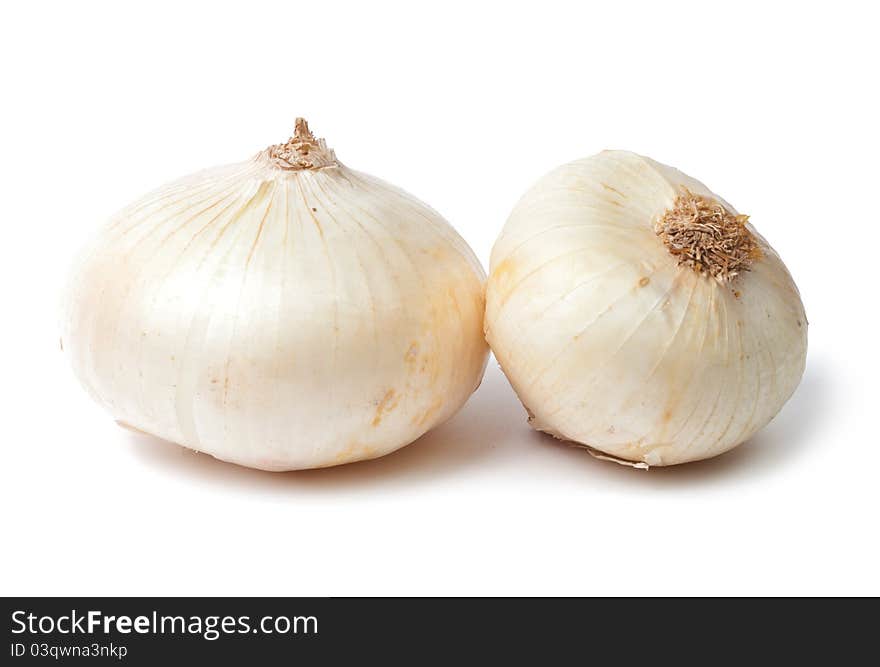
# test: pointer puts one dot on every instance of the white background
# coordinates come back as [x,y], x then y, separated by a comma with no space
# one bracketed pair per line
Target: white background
[773,105]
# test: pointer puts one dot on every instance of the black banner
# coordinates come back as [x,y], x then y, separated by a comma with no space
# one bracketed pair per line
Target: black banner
[144,631]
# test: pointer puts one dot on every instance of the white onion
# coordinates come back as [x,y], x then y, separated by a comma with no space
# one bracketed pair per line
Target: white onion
[612,341]
[282,313]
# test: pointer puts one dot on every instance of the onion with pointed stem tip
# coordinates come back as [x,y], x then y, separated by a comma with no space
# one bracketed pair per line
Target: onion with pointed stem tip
[281,313]
[637,313]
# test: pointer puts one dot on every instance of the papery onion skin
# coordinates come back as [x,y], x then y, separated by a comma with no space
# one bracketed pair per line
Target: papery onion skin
[278,317]
[608,342]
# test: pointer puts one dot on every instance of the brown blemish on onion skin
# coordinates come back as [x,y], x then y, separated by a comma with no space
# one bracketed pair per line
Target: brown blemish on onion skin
[355,451]
[644,282]
[614,190]
[412,353]
[422,419]
[503,269]
[387,404]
